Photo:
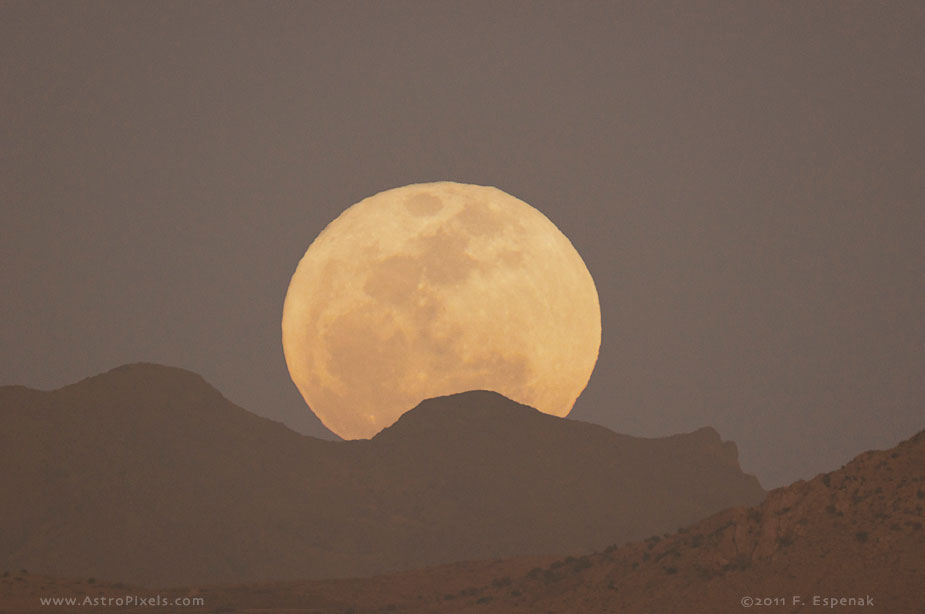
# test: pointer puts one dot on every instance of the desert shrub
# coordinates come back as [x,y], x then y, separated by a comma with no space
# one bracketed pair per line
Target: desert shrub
[827,479]
[516,593]
[741,562]
[861,536]
[666,553]
[482,600]
[91,580]
[784,540]
[449,597]
[499,582]
[534,573]
[581,564]
[671,570]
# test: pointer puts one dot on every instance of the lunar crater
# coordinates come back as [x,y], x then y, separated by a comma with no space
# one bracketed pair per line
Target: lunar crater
[423,204]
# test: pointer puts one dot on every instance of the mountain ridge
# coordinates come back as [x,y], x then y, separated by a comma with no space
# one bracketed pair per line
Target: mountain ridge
[152,459]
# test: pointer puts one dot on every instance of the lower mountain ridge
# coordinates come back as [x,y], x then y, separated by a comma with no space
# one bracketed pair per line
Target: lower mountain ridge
[148,475]
[847,541]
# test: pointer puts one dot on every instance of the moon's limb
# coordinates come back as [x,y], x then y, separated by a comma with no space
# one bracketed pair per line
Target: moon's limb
[433,289]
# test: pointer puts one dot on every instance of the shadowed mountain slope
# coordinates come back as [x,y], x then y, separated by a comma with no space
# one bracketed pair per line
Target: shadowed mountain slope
[147,474]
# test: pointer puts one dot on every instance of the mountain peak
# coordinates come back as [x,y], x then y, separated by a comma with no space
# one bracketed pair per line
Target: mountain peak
[707,440]
[463,411]
[142,373]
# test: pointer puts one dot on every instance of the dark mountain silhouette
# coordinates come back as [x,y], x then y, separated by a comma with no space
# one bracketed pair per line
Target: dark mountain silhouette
[146,474]
[855,533]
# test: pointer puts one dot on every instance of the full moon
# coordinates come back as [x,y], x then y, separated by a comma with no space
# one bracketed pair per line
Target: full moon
[433,289]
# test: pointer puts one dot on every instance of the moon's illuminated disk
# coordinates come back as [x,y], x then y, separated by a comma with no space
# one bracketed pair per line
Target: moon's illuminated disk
[433,289]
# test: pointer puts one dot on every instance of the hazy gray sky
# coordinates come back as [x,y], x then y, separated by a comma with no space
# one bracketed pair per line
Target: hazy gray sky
[743,180]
